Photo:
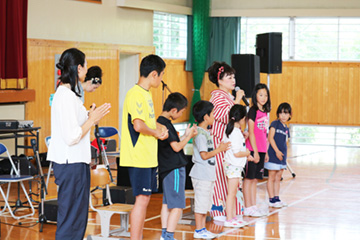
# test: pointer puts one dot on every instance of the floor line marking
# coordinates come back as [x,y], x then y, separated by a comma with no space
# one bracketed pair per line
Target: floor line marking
[276,211]
[157,216]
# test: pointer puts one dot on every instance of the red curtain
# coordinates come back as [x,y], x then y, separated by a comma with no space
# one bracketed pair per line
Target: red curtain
[13,44]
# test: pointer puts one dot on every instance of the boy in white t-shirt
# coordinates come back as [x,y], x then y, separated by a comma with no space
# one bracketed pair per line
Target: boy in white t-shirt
[203,172]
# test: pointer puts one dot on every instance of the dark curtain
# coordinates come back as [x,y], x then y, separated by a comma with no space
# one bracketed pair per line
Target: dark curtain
[224,40]
[13,44]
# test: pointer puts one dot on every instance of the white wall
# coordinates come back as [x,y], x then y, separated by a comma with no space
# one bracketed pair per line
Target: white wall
[285,8]
[71,20]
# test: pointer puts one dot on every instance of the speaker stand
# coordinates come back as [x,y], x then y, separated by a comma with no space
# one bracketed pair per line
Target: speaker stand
[268,85]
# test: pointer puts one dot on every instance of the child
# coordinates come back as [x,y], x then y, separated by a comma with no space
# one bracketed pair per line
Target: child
[235,160]
[172,162]
[139,140]
[203,172]
[258,122]
[278,136]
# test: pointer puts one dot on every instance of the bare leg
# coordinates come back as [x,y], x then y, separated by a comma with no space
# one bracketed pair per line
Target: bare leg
[253,191]
[173,219]
[137,216]
[271,182]
[247,192]
[277,182]
[200,221]
[164,216]
[231,198]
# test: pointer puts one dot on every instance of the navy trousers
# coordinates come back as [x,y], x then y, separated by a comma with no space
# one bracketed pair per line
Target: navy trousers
[73,200]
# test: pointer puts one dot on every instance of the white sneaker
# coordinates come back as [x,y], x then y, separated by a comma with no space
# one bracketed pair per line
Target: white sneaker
[253,212]
[242,222]
[204,234]
[233,223]
[276,205]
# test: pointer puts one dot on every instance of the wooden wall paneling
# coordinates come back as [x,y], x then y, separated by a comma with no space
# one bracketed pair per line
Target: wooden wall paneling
[109,90]
[356,98]
[41,64]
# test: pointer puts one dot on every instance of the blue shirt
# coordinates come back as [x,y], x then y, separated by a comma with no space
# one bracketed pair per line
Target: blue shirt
[281,134]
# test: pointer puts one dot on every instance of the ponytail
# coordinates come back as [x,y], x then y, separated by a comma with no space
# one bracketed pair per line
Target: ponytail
[237,112]
[230,127]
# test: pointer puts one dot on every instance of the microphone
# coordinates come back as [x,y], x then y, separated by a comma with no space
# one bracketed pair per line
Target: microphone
[243,97]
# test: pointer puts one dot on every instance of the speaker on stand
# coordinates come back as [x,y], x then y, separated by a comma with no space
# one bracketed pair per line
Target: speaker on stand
[269,49]
[247,71]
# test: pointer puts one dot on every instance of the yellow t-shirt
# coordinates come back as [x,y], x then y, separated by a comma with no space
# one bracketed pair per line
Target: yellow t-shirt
[138,150]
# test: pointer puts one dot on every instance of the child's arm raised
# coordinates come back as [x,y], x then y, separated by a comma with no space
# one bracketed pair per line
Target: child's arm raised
[189,133]
[160,132]
[221,148]
[279,154]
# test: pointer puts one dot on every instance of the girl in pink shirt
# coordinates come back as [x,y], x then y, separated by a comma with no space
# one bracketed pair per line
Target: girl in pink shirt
[258,123]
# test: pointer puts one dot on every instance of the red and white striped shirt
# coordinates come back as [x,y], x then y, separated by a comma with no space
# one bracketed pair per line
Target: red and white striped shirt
[222,101]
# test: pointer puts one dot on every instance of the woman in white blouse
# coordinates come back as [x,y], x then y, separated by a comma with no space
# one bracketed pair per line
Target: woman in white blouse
[69,149]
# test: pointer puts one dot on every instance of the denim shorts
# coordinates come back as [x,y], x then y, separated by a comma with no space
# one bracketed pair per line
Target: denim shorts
[274,166]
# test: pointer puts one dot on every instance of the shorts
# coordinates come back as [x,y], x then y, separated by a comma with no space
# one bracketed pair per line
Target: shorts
[255,170]
[232,171]
[203,195]
[143,181]
[174,188]
[274,166]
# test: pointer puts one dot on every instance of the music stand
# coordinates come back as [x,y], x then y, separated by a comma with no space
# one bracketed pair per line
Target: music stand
[43,189]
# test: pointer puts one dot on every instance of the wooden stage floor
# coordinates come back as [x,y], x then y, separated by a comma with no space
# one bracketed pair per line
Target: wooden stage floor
[323,203]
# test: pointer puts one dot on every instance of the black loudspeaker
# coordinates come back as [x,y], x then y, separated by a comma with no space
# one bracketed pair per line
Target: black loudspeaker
[269,48]
[123,178]
[120,194]
[50,209]
[247,71]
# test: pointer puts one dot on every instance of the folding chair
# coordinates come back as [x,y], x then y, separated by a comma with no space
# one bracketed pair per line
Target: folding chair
[105,132]
[101,177]
[14,177]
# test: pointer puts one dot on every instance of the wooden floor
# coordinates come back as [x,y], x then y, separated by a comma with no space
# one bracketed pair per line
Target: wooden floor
[323,199]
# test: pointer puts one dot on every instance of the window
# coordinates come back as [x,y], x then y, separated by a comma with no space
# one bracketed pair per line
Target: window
[325,135]
[170,35]
[332,38]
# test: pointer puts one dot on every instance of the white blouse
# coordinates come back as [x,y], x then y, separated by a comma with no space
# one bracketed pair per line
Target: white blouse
[68,114]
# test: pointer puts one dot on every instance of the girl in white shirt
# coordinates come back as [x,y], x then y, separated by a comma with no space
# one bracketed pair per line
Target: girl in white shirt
[235,160]
[69,147]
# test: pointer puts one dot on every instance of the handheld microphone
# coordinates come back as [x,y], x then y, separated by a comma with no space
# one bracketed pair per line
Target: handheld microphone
[243,97]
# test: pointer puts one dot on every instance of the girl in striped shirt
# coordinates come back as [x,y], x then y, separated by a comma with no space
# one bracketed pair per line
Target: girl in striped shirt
[223,76]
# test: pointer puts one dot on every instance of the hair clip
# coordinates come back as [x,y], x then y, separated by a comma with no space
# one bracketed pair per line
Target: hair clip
[96,80]
[221,69]
[232,118]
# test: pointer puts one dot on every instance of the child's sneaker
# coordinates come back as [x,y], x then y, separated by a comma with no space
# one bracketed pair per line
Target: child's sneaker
[275,205]
[253,212]
[205,234]
[284,204]
[233,223]
[240,219]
